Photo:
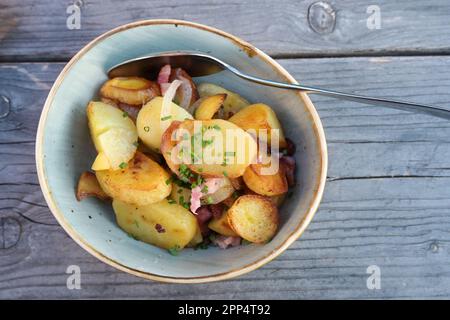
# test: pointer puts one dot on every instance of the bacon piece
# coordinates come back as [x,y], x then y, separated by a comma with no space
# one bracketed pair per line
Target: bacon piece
[289,165]
[217,210]
[203,216]
[224,242]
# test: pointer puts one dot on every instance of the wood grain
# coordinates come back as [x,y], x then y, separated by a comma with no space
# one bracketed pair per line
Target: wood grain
[36,30]
[386,202]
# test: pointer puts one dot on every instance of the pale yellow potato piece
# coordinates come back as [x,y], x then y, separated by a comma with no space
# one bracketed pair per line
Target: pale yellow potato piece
[209,106]
[233,102]
[254,218]
[228,155]
[151,125]
[163,224]
[197,239]
[259,116]
[113,133]
[221,226]
[180,194]
[141,182]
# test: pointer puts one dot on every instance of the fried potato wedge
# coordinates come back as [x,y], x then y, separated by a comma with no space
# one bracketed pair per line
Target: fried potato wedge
[141,182]
[163,224]
[151,126]
[88,186]
[265,184]
[130,90]
[254,218]
[209,106]
[233,102]
[221,226]
[260,117]
[113,133]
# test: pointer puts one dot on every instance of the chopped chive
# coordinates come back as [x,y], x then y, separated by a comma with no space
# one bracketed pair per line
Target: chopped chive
[123,165]
[125,114]
[225,174]
[175,250]
[205,189]
[171,201]
[209,200]
[166,118]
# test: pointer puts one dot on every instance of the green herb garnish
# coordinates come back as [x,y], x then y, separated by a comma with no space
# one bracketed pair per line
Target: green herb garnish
[123,165]
[171,201]
[175,250]
[166,118]
[209,200]
[125,114]
[136,144]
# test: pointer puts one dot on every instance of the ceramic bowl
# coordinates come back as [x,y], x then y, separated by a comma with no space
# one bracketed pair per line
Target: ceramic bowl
[64,150]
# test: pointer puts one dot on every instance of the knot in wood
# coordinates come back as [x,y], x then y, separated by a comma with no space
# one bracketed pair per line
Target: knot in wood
[321,17]
[10,232]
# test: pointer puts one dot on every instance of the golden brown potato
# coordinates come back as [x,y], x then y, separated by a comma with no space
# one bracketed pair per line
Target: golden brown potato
[130,90]
[254,218]
[232,104]
[263,184]
[163,224]
[151,125]
[221,226]
[209,107]
[88,187]
[141,181]
[259,116]
[113,133]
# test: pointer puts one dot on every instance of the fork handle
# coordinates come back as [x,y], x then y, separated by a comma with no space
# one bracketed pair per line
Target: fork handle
[402,105]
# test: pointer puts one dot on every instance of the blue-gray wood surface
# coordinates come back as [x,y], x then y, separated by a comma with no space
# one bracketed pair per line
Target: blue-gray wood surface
[387,198]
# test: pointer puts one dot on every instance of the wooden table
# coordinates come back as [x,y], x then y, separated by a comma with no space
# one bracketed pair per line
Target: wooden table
[387,199]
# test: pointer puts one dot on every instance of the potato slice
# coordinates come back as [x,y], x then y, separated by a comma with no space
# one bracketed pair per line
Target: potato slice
[181,195]
[222,148]
[254,218]
[197,239]
[149,122]
[142,181]
[113,133]
[209,106]
[163,224]
[259,116]
[221,226]
[88,186]
[233,102]
[263,184]
[130,90]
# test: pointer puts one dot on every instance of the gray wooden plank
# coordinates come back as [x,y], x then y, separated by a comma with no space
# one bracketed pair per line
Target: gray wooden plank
[386,201]
[36,31]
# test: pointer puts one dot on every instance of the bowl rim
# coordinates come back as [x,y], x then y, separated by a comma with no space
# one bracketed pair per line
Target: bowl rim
[251,50]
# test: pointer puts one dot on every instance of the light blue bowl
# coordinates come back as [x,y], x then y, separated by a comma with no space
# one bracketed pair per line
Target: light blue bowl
[64,150]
